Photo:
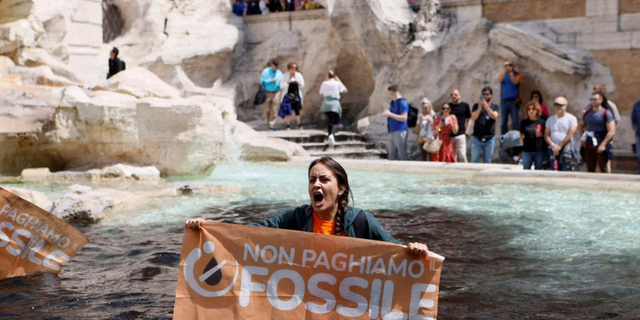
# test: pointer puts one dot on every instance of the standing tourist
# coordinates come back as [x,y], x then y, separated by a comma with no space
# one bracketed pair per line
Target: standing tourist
[537,97]
[239,8]
[264,6]
[270,82]
[510,86]
[331,90]
[253,7]
[289,5]
[115,64]
[424,127]
[398,127]
[275,6]
[463,114]
[484,115]
[292,84]
[635,122]
[601,89]
[446,125]
[599,127]
[532,130]
[558,133]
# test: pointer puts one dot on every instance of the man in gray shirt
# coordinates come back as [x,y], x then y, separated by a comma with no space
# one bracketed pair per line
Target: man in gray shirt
[559,131]
[600,88]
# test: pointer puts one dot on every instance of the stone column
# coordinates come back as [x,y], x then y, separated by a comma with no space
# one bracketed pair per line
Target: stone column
[84,41]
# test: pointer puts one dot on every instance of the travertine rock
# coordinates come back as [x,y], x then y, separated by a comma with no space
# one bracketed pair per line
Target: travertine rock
[96,128]
[82,204]
[140,83]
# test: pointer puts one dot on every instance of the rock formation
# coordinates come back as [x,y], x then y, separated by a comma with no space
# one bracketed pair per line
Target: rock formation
[169,114]
[82,204]
[192,66]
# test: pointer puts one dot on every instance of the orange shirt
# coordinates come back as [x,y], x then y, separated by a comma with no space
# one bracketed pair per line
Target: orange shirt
[323,226]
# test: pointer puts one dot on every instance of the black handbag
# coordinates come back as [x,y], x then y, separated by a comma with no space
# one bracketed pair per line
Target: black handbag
[260,98]
[293,98]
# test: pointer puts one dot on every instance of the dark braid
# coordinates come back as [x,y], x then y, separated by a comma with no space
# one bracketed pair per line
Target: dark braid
[343,182]
[343,202]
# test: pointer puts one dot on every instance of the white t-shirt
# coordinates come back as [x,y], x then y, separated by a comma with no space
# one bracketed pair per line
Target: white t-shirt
[426,129]
[332,88]
[559,127]
[263,7]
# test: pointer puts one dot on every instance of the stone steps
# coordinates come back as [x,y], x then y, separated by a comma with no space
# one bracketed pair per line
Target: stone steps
[349,145]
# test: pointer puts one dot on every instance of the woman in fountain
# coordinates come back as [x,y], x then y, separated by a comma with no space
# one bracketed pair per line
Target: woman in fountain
[292,84]
[331,90]
[329,212]
[445,125]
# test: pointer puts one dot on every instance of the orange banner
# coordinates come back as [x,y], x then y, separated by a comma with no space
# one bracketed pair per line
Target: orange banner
[239,272]
[33,240]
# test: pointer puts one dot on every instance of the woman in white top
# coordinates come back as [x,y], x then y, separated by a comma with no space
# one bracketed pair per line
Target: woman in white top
[425,128]
[292,84]
[264,7]
[331,90]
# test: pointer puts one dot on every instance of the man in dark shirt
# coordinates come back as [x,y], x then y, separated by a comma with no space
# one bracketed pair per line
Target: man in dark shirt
[463,113]
[484,115]
[115,64]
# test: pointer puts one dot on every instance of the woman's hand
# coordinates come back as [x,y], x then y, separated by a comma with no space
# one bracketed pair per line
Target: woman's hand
[194,224]
[419,249]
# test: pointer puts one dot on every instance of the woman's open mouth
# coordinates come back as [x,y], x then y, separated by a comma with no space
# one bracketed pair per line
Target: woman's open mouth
[318,198]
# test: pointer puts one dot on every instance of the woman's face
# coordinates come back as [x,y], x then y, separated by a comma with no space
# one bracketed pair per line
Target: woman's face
[426,110]
[323,189]
[293,68]
[535,97]
[446,109]
[532,112]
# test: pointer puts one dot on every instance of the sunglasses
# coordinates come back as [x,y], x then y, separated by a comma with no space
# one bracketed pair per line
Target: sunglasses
[446,109]
[593,99]
[558,105]
[531,109]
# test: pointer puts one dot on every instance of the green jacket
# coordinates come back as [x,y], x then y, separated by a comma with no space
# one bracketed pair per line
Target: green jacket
[357,223]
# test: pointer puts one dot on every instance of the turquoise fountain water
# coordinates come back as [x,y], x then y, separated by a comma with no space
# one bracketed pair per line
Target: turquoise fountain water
[513,251]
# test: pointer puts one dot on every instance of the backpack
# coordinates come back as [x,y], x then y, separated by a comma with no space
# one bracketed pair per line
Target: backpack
[412,116]
[260,97]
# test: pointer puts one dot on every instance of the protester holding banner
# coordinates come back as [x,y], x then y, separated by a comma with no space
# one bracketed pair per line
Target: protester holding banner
[329,212]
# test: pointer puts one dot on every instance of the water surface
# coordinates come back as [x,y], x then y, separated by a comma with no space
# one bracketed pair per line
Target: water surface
[512,252]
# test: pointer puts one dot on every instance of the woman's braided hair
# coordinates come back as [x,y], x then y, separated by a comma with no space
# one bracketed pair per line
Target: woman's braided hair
[343,182]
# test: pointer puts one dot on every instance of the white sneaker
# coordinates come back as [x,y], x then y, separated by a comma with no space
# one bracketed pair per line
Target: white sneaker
[332,140]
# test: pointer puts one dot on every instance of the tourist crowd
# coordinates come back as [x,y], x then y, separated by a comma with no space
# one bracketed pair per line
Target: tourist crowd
[542,139]
[253,7]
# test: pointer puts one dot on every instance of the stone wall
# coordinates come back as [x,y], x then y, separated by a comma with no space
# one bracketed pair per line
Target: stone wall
[530,10]
[84,41]
[629,6]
